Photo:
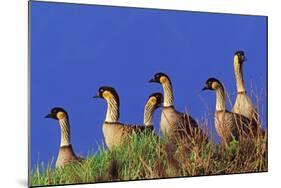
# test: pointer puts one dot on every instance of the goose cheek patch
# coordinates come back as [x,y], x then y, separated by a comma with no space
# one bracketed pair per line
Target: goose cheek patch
[215,85]
[60,115]
[106,95]
[163,80]
[153,101]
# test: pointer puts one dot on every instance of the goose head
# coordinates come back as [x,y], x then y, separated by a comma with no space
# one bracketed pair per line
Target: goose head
[155,100]
[239,57]
[57,113]
[160,78]
[212,84]
[107,93]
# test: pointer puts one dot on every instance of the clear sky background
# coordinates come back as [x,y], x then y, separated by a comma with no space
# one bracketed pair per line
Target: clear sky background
[75,49]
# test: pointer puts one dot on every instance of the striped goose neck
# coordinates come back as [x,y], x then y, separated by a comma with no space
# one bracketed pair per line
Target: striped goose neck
[65,132]
[220,99]
[168,94]
[148,114]
[112,114]
[238,69]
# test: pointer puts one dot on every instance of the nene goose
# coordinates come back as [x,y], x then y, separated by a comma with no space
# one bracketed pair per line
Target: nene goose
[243,104]
[174,124]
[66,154]
[115,132]
[229,125]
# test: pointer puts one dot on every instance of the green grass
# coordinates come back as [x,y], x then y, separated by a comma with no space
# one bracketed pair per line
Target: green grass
[147,156]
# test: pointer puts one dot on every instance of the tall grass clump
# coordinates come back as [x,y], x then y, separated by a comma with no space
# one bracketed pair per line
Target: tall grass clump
[147,156]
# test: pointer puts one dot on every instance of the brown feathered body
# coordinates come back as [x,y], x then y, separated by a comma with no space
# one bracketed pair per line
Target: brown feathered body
[66,155]
[231,126]
[174,123]
[116,133]
[243,105]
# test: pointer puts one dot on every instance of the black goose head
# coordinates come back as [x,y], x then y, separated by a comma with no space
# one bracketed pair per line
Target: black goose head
[212,84]
[240,55]
[156,99]
[107,93]
[57,113]
[160,78]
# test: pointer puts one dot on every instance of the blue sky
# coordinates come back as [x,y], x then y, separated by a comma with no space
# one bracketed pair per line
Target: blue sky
[75,49]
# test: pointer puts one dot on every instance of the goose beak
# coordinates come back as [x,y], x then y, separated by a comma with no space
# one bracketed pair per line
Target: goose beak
[96,96]
[49,116]
[152,80]
[204,88]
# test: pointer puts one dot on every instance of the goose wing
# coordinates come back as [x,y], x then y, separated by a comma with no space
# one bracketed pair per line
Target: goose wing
[129,128]
[239,125]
